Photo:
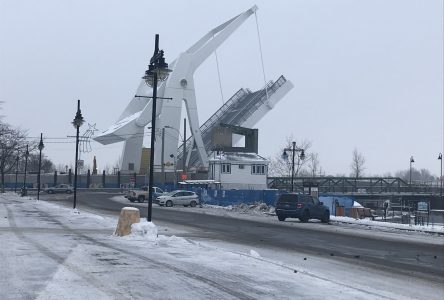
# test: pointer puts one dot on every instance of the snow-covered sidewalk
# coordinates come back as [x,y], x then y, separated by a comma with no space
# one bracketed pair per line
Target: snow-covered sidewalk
[52,252]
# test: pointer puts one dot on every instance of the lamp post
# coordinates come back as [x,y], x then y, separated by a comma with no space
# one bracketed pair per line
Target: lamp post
[183,144]
[293,149]
[410,180]
[77,122]
[184,156]
[41,146]
[440,191]
[16,169]
[175,170]
[157,71]
[24,177]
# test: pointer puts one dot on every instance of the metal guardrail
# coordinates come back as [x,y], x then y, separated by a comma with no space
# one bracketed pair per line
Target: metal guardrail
[362,185]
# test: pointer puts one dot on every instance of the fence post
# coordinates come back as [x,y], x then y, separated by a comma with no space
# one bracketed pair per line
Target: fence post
[55,177]
[103,179]
[88,179]
[70,177]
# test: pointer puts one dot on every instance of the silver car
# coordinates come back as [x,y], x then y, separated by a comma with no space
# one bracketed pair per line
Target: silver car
[178,197]
[60,188]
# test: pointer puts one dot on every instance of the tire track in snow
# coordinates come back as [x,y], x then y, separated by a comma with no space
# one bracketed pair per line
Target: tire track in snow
[116,294]
[91,280]
[380,296]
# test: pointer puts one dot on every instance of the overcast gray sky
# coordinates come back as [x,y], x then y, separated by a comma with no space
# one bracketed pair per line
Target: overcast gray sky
[367,74]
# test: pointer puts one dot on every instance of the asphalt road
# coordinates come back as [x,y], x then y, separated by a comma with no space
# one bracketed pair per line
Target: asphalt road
[413,258]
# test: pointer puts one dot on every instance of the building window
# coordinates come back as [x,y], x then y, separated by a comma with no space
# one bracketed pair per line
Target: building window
[258,169]
[241,167]
[226,168]
[131,167]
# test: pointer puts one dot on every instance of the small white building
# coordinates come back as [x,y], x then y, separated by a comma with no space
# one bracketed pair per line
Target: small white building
[239,170]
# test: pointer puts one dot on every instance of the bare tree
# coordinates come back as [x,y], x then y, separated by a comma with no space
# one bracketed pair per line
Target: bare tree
[423,175]
[12,143]
[357,165]
[33,164]
[116,166]
[313,164]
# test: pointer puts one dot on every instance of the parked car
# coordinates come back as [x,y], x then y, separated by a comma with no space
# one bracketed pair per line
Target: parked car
[178,197]
[304,207]
[142,194]
[60,188]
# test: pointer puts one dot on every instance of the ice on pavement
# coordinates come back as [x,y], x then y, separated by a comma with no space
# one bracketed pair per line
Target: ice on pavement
[254,253]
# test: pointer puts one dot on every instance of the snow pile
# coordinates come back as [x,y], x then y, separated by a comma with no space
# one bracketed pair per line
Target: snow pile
[130,208]
[257,208]
[438,228]
[148,231]
[357,204]
[145,229]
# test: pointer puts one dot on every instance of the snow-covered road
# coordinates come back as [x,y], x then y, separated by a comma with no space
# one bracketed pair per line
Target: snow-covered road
[51,252]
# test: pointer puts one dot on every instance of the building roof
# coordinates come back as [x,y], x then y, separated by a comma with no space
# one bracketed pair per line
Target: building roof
[238,157]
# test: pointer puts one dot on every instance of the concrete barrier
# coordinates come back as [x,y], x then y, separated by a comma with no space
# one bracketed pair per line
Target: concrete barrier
[128,216]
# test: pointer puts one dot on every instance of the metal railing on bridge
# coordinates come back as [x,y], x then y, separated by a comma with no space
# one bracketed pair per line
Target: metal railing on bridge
[352,185]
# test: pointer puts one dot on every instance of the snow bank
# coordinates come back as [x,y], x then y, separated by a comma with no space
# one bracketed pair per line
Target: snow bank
[437,228]
[148,231]
[145,229]
[258,208]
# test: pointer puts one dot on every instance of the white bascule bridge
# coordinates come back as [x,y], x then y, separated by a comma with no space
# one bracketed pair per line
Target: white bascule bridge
[245,108]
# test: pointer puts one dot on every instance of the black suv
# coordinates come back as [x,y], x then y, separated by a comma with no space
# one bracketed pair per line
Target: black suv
[304,207]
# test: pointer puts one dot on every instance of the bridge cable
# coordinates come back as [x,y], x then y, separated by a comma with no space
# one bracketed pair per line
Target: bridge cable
[260,50]
[218,75]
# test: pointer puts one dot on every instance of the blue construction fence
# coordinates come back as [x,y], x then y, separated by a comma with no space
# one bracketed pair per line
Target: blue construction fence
[334,201]
[235,197]
[269,197]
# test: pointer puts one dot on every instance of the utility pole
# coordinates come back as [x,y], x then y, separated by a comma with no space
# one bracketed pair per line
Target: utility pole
[162,161]
[184,158]
[16,170]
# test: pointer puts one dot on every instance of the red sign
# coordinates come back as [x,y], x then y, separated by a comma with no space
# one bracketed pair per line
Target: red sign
[183,176]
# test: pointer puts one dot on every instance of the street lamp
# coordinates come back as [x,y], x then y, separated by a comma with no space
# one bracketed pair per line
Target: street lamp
[184,152]
[440,158]
[41,146]
[293,149]
[175,170]
[77,122]
[24,177]
[157,71]
[16,169]
[410,180]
